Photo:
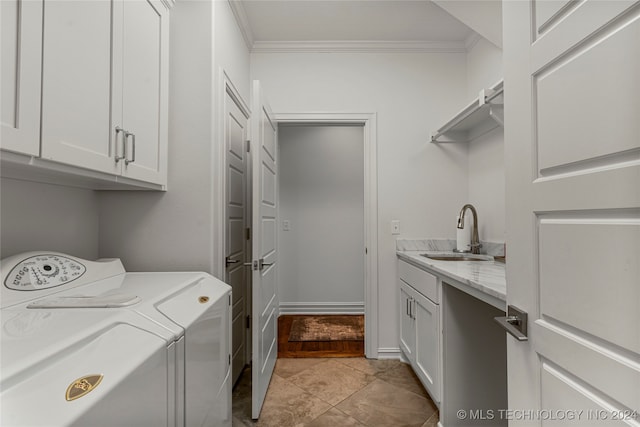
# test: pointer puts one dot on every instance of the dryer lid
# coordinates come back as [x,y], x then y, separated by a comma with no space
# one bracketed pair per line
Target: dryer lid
[196,301]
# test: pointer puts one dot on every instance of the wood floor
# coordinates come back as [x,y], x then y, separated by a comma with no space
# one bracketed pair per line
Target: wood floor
[288,349]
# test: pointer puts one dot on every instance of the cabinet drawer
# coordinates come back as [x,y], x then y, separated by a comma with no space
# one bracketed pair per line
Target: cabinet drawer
[420,280]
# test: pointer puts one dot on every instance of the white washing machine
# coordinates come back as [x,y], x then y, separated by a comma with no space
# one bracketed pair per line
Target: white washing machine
[89,344]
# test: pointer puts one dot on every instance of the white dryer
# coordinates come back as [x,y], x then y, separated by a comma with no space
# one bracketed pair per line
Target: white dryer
[57,310]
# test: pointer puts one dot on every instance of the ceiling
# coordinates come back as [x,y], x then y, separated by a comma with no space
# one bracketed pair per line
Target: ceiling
[269,22]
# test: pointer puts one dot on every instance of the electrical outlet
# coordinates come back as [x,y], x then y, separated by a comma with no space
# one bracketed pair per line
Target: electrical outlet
[395,227]
[286,225]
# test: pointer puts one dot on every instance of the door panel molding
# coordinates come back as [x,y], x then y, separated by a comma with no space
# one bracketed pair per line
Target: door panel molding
[611,372]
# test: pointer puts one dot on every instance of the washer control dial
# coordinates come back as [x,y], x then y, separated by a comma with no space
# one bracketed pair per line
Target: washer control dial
[43,272]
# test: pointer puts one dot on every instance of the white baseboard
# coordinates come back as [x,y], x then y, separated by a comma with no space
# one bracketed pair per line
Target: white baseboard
[389,353]
[322,308]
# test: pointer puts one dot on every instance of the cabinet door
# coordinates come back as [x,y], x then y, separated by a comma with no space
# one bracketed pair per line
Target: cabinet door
[21,38]
[427,348]
[144,89]
[76,84]
[407,326]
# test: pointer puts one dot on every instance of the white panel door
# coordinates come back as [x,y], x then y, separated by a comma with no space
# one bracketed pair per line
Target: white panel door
[572,154]
[21,39]
[80,39]
[236,122]
[264,286]
[145,69]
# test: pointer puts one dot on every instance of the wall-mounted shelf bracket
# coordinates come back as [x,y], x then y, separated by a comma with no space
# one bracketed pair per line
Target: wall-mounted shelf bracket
[479,117]
[496,112]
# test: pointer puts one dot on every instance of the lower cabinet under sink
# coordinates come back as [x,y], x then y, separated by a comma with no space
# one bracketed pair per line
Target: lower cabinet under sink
[455,348]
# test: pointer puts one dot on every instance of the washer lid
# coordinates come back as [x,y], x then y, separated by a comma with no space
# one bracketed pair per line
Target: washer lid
[34,338]
[91,381]
[33,275]
[115,300]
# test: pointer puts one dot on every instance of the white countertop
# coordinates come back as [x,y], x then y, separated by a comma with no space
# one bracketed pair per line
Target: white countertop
[487,277]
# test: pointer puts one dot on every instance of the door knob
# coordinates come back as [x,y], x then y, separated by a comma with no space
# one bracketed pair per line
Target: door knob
[515,322]
[228,261]
[263,264]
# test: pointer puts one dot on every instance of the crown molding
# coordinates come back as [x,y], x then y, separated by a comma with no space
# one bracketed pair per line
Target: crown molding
[472,41]
[243,22]
[169,3]
[358,47]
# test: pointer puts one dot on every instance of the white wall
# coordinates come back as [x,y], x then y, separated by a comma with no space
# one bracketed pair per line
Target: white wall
[322,196]
[419,183]
[486,153]
[37,216]
[484,67]
[180,229]
[230,51]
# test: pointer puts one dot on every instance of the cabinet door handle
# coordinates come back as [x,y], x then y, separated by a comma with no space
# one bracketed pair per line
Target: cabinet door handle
[117,157]
[407,306]
[411,308]
[133,147]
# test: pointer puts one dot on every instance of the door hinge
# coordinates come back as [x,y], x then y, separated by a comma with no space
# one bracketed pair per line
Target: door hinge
[229,360]
[248,231]
[229,299]
[248,321]
[248,145]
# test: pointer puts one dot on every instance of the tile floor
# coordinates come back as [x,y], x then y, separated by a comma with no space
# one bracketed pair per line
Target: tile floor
[338,392]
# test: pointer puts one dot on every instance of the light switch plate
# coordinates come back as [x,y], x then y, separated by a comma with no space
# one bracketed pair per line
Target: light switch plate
[395,227]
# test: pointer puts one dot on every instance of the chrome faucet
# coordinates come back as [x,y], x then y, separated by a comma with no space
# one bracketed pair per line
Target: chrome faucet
[475,240]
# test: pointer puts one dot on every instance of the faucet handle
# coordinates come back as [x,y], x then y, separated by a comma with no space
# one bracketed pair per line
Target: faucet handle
[475,247]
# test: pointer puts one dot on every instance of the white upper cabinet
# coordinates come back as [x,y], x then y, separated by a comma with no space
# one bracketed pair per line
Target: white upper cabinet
[104,93]
[144,89]
[76,84]
[21,39]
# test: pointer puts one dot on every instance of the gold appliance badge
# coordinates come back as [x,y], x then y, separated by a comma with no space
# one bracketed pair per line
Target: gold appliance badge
[82,386]
[203,300]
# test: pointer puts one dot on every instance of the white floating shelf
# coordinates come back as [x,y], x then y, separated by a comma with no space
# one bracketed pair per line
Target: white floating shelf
[479,117]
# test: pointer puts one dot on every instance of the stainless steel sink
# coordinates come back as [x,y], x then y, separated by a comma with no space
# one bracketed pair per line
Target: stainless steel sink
[459,257]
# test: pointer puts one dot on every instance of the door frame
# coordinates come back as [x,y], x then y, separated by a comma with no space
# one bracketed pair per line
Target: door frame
[368,121]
